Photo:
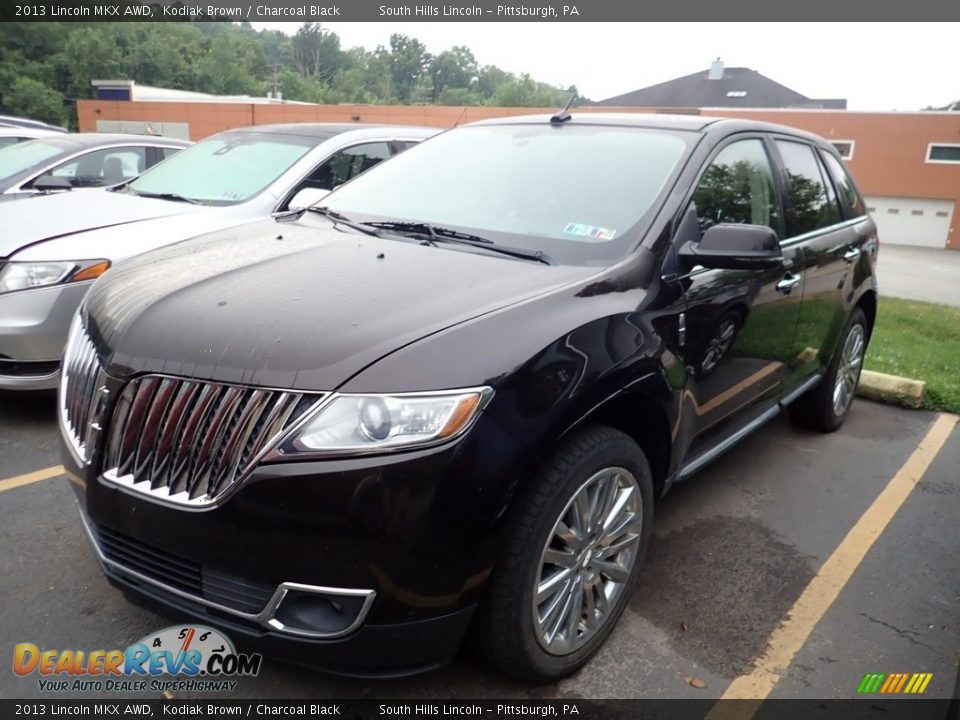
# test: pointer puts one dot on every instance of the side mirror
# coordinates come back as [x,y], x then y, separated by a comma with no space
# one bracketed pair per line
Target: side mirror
[49,182]
[735,247]
[307,197]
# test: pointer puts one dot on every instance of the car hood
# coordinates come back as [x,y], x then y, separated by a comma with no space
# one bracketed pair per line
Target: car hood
[117,242]
[52,216]
[295,305]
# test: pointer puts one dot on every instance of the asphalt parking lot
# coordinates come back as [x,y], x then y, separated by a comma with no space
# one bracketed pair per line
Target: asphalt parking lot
[738,589]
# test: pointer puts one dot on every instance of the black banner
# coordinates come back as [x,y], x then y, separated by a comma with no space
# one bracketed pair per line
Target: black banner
[479,11]
[893,709]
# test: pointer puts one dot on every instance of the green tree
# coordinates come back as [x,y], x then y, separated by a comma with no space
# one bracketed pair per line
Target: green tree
[316,52]
[459,96]
[454,68]
[525,92]
[234,65]
[89,54]
[33,99]
[233,58]
[408,59]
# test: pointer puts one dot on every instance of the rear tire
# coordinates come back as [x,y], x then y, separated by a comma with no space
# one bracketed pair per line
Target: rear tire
[578,538]
[825,406]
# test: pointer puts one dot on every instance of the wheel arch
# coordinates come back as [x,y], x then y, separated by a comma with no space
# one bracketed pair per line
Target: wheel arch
[643,419]
[868,303]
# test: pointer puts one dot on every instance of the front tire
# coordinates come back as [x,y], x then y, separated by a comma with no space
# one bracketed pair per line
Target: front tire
[825,406]
[571,559]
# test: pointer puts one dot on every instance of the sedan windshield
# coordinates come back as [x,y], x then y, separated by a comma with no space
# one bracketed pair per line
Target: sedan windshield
[226,169]
[578,193]
[18,158]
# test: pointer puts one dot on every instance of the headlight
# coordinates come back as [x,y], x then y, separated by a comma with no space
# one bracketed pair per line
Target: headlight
[26,275]
[374,423]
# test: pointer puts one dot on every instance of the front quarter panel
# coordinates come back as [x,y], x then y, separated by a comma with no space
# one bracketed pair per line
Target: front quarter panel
[552,361]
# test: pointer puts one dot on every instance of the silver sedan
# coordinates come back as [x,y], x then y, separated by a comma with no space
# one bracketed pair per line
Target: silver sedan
[52,248]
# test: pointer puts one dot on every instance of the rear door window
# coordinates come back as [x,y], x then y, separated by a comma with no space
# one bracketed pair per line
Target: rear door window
[344,165]
[850,199]
[102,168]
[807,205]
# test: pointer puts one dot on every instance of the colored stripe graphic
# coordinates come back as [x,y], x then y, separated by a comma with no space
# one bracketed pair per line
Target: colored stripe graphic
[894,683]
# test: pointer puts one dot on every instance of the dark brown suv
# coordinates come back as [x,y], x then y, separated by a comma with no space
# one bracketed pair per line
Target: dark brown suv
[452,395]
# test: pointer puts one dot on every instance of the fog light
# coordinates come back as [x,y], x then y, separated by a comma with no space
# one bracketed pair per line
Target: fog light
[309,612]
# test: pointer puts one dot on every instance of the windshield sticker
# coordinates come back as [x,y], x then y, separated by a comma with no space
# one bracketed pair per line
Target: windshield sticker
[590,231]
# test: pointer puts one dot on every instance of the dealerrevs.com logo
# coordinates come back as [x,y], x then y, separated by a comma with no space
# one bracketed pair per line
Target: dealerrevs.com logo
[205,657]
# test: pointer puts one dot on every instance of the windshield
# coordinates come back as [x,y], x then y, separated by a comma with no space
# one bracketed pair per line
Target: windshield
[15,159]
[226,169]
[576,192]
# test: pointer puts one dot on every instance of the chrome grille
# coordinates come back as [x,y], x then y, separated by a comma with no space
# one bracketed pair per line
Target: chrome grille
[82,392]
[188,442]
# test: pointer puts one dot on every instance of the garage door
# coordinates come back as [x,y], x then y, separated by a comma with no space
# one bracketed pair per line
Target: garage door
[911,221]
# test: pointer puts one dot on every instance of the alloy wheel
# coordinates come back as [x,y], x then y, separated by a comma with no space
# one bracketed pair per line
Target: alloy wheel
[587,560]
[848,372]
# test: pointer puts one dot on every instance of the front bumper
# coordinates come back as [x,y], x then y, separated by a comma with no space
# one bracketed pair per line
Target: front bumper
[33,330]
[419,530]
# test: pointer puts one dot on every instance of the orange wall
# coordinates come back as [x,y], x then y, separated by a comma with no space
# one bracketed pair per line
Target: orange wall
[888,158]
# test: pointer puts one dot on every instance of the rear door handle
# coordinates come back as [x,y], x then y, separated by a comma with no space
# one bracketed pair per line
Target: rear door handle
[851,255]
[789,282]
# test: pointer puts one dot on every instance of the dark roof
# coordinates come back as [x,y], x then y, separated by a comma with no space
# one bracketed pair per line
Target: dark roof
[691,123]
[738,87]
[647,120]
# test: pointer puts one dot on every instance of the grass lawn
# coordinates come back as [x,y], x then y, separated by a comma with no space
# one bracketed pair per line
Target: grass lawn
[921,341]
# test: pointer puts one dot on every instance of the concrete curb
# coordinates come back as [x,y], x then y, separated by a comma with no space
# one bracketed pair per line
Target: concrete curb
[891,389]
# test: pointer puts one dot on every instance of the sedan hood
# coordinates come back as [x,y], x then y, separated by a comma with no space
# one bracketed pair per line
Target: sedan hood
[51,216]
[295,305]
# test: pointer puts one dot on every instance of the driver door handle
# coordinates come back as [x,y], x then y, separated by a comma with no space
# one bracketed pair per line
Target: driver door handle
[789,282]
[851,254]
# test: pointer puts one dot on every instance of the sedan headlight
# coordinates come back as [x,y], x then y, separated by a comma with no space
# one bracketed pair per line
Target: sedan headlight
[376,423]
[26,275]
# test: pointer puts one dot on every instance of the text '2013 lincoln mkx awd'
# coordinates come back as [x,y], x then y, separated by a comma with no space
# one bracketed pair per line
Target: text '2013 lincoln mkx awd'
[448,397]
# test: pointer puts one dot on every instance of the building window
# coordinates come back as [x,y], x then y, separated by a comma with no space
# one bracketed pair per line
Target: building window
[916,212]
[943,153]
[736,93]
[942,213]
[844,147]
[893,211]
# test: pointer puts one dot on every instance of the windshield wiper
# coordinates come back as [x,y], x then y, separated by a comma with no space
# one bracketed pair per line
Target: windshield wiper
[432,234]
[339,219]
[164,196]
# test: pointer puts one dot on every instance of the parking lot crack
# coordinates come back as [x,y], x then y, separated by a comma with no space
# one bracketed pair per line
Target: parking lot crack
[905,634]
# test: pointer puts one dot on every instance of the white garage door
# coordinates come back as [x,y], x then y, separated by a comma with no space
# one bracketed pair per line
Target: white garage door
[911,221]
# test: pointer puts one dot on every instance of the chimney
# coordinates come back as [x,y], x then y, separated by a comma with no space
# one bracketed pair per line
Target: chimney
[716,70]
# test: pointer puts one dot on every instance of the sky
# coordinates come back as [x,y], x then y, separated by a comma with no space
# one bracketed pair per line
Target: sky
[876,66]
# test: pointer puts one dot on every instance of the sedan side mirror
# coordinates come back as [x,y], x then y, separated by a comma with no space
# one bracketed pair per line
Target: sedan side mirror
[735,247]
[49,182]
[307,197]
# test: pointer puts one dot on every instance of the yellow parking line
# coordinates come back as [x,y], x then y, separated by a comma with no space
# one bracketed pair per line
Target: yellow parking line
[818,596]
[31,477]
